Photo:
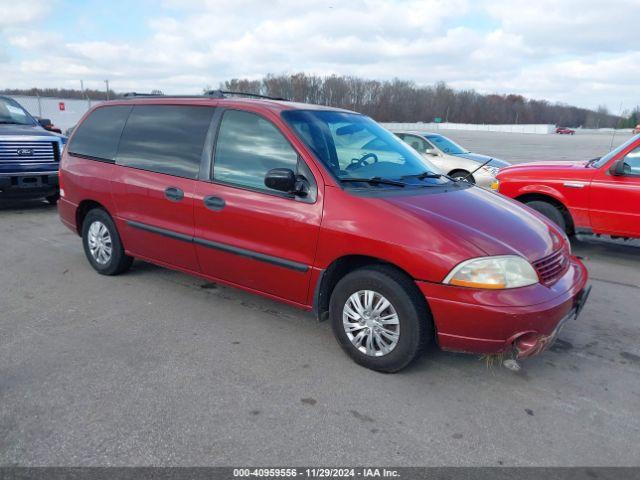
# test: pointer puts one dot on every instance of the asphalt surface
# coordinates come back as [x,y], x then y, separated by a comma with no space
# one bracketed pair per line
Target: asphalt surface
[519,148]
[159,368]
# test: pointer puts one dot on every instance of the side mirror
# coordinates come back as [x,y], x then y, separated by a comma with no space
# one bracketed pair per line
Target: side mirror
[44,122]
[431,151]
[617,169]
[285,180]
[281,179]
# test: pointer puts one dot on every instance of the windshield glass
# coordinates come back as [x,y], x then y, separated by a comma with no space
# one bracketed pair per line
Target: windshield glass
[354,146]
[602,161]
[446,145]
[12,113]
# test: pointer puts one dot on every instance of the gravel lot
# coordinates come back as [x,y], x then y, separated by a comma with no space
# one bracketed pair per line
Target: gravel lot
[158,368]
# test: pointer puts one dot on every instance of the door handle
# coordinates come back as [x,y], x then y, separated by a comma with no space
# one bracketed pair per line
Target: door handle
[174,194]
[214,203]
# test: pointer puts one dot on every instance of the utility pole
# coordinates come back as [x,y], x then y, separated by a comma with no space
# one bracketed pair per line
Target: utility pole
[107,84]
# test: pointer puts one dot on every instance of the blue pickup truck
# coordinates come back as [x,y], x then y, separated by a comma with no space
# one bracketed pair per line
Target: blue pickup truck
[29,155]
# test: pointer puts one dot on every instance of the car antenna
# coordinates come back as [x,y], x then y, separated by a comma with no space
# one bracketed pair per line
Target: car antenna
[613,135]
[471,173]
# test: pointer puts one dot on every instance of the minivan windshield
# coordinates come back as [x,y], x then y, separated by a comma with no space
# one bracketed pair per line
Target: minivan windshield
[13,114]
[353,146]
[446,145]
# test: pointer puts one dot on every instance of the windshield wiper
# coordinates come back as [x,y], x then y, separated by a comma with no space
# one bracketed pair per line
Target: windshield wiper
[593,160]
[423,175]
[374,181]
[4,122]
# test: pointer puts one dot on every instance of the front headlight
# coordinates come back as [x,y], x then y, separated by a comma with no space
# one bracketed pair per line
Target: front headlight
[506,271]
[493,171]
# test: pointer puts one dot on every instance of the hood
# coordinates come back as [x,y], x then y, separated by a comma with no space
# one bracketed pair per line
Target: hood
[546,166]
[494,224]
[25,130]
[550,164]
[477,157]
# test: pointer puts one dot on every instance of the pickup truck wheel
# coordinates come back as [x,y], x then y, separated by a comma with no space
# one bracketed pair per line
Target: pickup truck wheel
[380,318]
[550,211]
[53,199]
[102,244]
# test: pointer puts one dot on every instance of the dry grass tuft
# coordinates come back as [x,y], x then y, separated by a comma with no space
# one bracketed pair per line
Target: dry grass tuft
[492,359]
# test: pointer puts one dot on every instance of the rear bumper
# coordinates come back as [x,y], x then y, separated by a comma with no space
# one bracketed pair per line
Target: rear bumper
[476,321]
[67,212]
[28,184]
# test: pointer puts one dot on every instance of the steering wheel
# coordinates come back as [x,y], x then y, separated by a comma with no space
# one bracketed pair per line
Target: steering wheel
[362,161]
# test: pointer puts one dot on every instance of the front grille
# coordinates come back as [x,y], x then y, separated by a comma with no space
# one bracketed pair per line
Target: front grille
[552,267]
[31,152]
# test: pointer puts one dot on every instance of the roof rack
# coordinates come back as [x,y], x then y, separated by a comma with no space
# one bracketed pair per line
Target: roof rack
[136,94]
[209,93]
[225,93]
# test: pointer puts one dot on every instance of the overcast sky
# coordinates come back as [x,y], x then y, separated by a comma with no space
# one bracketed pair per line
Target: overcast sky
[583,52]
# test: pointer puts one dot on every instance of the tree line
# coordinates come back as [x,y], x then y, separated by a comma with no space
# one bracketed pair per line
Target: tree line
[399,101]
[404,101]
[62,93]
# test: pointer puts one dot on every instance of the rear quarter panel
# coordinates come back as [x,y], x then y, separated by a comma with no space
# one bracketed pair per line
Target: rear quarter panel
[83,179]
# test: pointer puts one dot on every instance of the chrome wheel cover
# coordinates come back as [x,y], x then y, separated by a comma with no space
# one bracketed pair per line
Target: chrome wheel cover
[99,240]
[371,323]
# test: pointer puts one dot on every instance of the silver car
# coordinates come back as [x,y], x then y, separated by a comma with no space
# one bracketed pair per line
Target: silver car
[454,160]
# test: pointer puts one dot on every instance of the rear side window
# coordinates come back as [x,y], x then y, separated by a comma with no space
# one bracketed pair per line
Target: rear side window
[165,139]
[416,142]
[98,136]
[248,147]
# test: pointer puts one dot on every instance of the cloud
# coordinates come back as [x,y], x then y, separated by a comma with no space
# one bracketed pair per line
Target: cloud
[580,52]
[570,27]
[16,13]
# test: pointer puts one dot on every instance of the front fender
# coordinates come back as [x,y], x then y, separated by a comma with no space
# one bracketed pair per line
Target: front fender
[547,190]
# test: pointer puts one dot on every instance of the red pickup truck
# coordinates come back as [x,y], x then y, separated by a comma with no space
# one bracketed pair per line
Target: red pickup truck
[600,196]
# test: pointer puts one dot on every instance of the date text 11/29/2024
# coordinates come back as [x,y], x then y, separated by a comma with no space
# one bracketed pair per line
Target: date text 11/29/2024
[316,472]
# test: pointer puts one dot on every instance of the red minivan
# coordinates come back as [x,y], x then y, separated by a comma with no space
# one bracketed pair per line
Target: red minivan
[323,209]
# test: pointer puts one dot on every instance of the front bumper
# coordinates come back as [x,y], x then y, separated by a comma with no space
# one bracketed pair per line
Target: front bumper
[28,184]
[531,344]
[526,319]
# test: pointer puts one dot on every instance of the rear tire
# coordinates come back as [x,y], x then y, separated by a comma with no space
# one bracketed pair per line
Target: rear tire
[412,326]
[102,244]
[550,211]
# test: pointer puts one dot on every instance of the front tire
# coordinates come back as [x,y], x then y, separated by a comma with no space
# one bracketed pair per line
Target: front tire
[53,199]
[550,211]
[462,175]
[380,318]
[102,244]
